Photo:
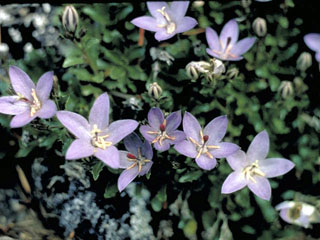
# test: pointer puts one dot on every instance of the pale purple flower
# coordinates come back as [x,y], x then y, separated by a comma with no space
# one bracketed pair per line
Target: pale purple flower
[298,213]
[167,19]
[162,132]
[312,40]
[205,145]
[226,46]
[96,137]
[31,101]
[253,169]
[136,160]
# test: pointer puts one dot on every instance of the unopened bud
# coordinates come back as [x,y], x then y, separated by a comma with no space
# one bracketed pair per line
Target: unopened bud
[233,73]
[192,71]
[218,67]
[155,90]
[299,85]
[304,61]
[70,19]
[198,4]
[259,26]
[245,3]
[286,89]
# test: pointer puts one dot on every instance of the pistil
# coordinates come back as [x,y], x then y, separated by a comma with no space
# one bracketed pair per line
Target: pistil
[202,148]
[138,160]
[161,134]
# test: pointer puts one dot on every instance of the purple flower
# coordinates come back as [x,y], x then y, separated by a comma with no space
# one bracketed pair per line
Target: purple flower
[205,145]
[167,20]
[31,101]
[299,213]
[226,46]
[313,42]
[252,169]
[96,137]
[136,160]
[162,132]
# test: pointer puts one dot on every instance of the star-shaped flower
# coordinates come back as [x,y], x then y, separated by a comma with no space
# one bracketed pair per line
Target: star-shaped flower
[96,137]
[167,20]
[313,42]
[253,169]
[162,132]
[299,213]
[136,160]
[226,46]
[31,101]
[205,145]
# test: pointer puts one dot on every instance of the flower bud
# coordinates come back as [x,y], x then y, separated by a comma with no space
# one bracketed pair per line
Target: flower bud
[304,61]
[286,89]
[155,90]
[70,19]
[299,213]
[299,85]
[218,67]
[259,26]
[245,3]
[233,73]
[192,70]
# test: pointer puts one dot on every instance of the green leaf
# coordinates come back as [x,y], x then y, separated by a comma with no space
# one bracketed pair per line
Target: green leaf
[72,61]
[190,176]
[111,191]
[159,199]
[96,169]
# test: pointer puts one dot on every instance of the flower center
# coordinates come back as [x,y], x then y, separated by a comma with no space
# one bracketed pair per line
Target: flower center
[252,170]
[225,53]
[36,104]
[98,140]
[169,25]
[294,212]
[137,160]
[161,134]
[203,147]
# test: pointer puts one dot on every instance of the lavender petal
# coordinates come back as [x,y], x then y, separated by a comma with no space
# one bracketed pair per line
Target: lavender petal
[44,86]
[147,150]
[123,160]
[173,121]
[238,160]
[99,113]
[21,82]
[153,8]
[186,24]
[234,182]
[261,187]
[146,168]
[312,40]
[225,150]
[215,54]
[178,135]
[132,142]
[242,46]
[186,148]
[11,105]
[120,129]
[259,147]
[213,39]
[317,56]
[79,148]
[48,109]
[229,34]
[274,167]
[75,123]
[21,119]
[126,177]
[147,23]
[179,9]
[165,145]
[162,35]
[144,129]
[155,118]
[191,127]
[110,156]
[216,129]
[206,163]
